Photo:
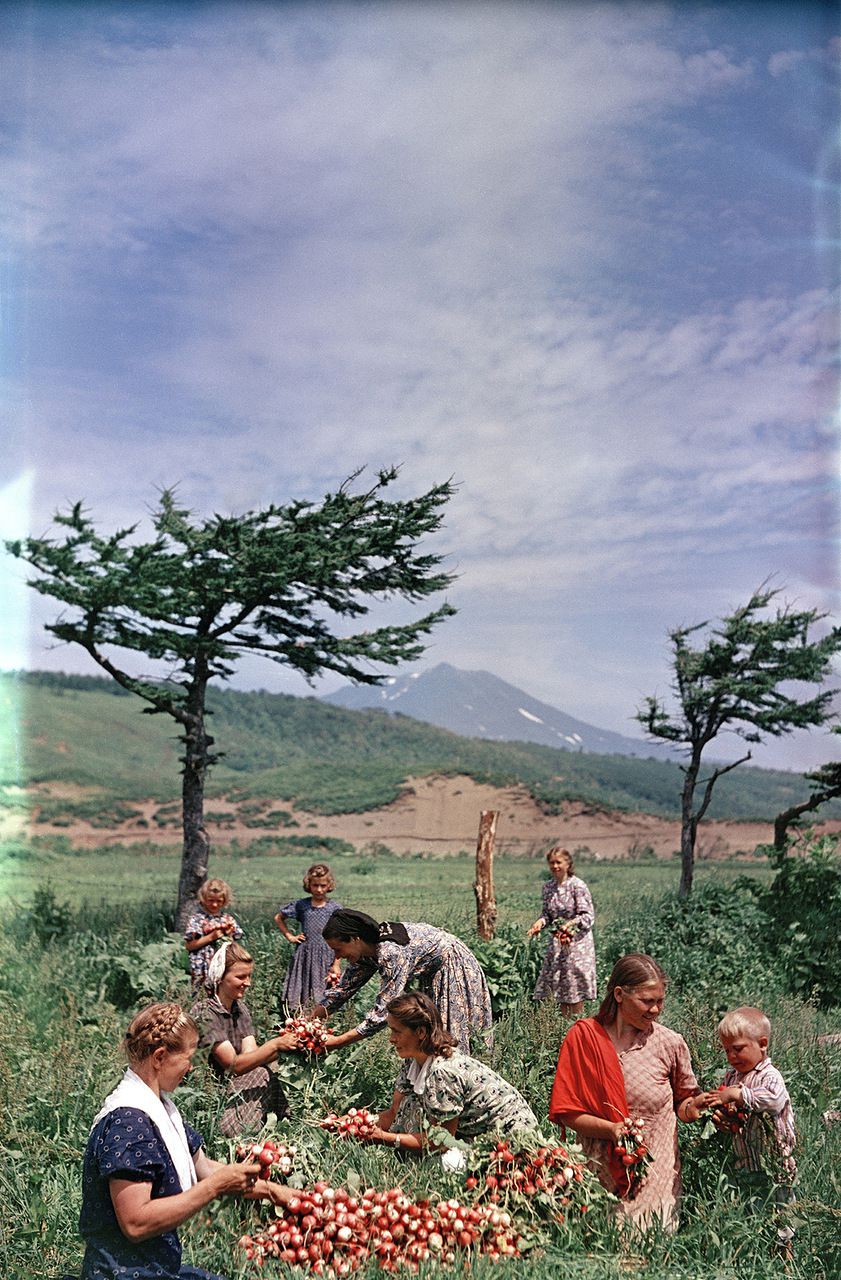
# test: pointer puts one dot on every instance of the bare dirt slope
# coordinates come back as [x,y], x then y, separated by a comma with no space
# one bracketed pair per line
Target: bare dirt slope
[442,815]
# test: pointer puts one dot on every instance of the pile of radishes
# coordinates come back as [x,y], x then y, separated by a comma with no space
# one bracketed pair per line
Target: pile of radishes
[358,1122]
[554,1176]
[331,1232]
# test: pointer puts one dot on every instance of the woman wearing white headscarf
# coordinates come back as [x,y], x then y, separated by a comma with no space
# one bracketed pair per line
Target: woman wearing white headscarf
[227,1032]
[145,1171]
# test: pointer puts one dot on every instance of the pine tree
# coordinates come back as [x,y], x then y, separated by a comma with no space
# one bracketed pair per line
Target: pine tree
[279,582]
[738,681]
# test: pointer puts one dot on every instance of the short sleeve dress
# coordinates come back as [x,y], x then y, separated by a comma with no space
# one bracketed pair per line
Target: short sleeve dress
[658,1076]
[465,1087]
[305,978]
[252,1095]
[569,970]
[126,1144]
[200,923]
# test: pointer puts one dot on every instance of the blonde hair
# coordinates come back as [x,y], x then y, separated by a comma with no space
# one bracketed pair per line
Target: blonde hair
[161,1025]
[319,871]
[215,886]
[629,972]
[561,852]
[235,953]
[744,1021]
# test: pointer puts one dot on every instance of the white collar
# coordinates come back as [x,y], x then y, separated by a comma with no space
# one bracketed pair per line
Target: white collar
[134,1092]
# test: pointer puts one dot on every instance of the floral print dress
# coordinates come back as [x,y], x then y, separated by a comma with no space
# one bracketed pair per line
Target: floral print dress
[433,961]
[465,1087]
[569,970]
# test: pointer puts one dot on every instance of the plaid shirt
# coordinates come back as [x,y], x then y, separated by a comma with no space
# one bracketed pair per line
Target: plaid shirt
[764,1094]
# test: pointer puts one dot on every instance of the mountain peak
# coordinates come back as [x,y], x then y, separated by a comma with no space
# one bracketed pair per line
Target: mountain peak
[478,704]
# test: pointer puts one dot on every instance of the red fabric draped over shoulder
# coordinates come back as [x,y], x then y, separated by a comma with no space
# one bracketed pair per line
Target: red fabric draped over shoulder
[589,1079]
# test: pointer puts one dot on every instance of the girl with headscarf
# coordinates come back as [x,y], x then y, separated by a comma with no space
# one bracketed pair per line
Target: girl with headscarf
[431,960]
[227,1032]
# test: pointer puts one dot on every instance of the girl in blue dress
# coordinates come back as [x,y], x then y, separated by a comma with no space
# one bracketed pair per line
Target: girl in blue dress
[308,975]
[145,1171]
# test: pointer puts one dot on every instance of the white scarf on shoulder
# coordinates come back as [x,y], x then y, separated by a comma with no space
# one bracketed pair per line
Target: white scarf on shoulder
[162,1111]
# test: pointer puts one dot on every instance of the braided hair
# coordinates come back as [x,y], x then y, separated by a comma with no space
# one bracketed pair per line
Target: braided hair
[162,1025]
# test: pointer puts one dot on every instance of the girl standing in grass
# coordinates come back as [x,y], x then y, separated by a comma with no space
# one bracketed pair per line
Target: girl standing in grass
[206,926]
[569,970]
[313,963]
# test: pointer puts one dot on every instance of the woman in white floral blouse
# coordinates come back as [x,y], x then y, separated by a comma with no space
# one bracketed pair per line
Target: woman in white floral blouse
[441,1087]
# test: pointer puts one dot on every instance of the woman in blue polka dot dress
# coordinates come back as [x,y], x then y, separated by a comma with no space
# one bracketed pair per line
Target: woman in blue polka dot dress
[145,1170]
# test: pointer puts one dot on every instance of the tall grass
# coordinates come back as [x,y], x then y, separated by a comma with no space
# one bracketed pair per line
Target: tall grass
[62,1016]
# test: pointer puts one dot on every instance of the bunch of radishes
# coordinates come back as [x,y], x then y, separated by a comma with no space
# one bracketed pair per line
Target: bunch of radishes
[729,1117]
[358,1122]
[310,1034]
[332,979]
[331,1232]
[271,1155]
[634,1156]
[564,930]
[516,1175]
[227,924]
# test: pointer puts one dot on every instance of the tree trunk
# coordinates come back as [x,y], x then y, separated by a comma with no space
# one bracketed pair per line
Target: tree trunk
[196,849]
[484,887]
[688,829]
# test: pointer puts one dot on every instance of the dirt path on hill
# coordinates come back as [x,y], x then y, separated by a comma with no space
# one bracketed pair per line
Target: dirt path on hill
[437,814]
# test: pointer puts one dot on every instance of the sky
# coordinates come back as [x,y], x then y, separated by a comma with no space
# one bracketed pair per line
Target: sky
[581,258]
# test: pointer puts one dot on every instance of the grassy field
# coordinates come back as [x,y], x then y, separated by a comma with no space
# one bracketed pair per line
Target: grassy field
[76,961]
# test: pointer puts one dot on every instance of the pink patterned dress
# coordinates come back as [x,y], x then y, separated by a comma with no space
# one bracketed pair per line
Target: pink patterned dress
[658,1076]
[569,970]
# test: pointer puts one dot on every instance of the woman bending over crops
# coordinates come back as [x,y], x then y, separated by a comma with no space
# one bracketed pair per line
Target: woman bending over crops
[227,1032]
[622,1065]
[437,962]
[145,1170]
[441,1087]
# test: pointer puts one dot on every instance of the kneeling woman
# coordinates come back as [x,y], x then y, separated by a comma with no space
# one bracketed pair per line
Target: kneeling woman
[145,1171]
[227,1031]
[439,1086]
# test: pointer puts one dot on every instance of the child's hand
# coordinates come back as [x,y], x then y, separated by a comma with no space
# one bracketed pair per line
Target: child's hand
[731,1094]
[536,928]
[297,937]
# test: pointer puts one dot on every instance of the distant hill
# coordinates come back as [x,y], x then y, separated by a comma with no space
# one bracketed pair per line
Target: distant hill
[476,704]
[84,732]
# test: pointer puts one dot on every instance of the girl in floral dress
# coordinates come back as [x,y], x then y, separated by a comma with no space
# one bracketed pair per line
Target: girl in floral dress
[210,922]
[314,966]
[569,969]
[436,961]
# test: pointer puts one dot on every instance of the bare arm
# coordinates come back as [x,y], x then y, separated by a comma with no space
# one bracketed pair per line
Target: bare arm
[196,944]
[251,1054]
[142,1218]
[280,921]
[588,1126]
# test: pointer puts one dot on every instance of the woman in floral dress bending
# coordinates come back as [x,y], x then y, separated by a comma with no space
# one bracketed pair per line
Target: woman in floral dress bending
[569,969]
[433,960]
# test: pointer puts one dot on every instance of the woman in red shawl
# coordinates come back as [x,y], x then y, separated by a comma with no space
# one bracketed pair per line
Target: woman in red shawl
[622,1064]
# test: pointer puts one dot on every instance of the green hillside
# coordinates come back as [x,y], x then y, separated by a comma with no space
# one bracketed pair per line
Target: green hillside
[85,731]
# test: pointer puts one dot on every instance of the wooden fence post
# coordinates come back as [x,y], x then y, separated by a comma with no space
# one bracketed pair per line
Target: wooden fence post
[484,886]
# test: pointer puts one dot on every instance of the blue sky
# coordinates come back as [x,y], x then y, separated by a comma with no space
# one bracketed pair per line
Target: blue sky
[580,257]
